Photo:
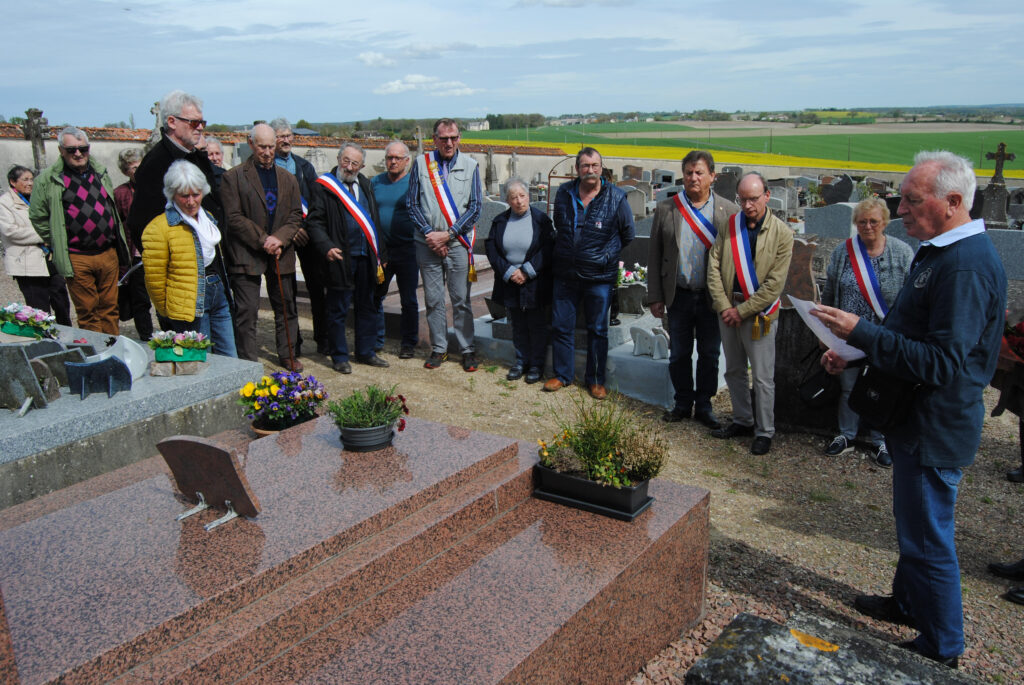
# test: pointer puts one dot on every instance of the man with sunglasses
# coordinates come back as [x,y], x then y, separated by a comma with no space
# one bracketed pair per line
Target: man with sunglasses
[444,203]
[72,210]
[182,129]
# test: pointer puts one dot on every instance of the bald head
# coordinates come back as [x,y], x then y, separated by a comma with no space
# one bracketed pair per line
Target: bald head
[264,143]
[396,160]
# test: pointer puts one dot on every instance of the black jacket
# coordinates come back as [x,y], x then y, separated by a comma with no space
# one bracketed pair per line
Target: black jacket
[149,199]
[327,224]
[536,292]
[591,253]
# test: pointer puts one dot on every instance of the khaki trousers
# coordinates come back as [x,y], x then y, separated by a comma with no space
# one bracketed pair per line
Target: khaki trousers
[93,289]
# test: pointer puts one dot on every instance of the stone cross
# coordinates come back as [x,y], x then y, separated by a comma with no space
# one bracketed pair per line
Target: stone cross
[419,142]
[154,135]
[1001,156]
[33,129]
[490,174]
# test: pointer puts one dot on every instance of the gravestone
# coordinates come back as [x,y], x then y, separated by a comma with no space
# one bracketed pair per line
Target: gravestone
[996,196]
[199,465]
[630,171]
[33,129]
[1016,196]
[736,171]
[724,184]
[804,182]
[832,221]
[489,209]
[154,135]
[490,174]
[1015,216]
[893,203]
[876,186]
[513,165]
[839,190]
[666,192]
[664,177]
[777,206]
[645,176]
[637,201]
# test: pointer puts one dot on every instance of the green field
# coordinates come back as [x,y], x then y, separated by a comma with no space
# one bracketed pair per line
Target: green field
[879,148]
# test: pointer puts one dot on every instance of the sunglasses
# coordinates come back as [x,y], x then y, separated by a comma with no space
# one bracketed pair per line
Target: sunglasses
[194,123]
[84,149]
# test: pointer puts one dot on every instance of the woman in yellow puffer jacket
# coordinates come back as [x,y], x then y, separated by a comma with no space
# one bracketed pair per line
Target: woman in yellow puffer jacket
[184,265]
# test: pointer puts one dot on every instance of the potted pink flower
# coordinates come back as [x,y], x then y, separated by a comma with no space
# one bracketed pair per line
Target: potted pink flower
[188,346]
[20,319]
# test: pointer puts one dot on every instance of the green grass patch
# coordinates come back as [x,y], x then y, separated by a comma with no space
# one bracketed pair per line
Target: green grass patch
[819,496]
[713,474]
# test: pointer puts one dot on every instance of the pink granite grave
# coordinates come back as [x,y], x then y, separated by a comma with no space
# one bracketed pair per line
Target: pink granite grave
[425,562]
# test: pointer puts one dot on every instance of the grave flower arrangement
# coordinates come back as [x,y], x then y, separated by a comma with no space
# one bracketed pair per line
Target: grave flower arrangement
[281,400]
[1013,337]
[370,407]
[20,319]
[185,346]
[638,274]
[606,443]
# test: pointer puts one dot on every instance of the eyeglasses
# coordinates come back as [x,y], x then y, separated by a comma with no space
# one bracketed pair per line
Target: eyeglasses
[446,139]
[748,200]
[194,123]
[349,164]
[395,158]
[84,149]
[874,223]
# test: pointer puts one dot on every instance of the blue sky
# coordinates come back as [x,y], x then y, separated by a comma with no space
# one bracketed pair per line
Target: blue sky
[89,62]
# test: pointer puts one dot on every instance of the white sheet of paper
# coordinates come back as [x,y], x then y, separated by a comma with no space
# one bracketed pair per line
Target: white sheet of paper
[841,347]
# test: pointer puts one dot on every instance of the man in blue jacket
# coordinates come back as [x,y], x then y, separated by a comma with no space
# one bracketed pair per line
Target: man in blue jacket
[593,223]
[943,333]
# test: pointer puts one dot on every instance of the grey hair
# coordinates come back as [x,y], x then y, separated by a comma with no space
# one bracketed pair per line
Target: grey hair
[127,157]
[280,124]
[175,101]
[955,175]
[184,175]
[396,142]
[214,140]
[252,131]
[76,133]
[356,146]
[516,181]
[869,204]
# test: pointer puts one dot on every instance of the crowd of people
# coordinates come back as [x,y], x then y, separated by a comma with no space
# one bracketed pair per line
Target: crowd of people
[197,243]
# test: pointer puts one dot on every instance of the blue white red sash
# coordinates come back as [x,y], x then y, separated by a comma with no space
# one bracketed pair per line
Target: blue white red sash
[867,281]
[744,261]
[446,202]
[698,223]
[330,182]
[305,206]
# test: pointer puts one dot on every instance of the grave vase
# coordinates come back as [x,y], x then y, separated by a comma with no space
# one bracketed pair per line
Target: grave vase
[367,439]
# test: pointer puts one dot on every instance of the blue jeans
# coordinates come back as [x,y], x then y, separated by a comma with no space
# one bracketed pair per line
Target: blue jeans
[596,298]
[361,298]
[691,317]
[927,580]
[402,266]
[215,323]
[529,336]
[848,419]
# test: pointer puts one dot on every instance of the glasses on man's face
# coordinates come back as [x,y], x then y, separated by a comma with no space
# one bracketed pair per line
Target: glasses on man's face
[80,149]
[349,164]
[446,139]
[194,123]
[284,136]
[748,200]
[394,158]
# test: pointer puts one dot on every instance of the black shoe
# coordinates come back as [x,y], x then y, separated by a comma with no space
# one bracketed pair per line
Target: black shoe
[676,415]
[884,608]
[882,457]
[372,360]
[762,445]
[407,352]
[515,373]
[911,646]
[839,445]
[1015,595]
[707,418]
[534,375]
[614,322]
[435,360]
[469,362]
[342,367]
[1013,571]
[732,430]
[1016,476]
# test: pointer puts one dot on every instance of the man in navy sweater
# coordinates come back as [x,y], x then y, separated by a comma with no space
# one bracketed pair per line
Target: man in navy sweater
[943,333]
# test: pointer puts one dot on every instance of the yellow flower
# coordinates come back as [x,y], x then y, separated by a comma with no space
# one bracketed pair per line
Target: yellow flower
[247,390]
[256,406]
[266,380]
[274,389]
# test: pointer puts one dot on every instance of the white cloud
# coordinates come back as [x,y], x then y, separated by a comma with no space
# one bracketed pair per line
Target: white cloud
[431,85]
[375,59]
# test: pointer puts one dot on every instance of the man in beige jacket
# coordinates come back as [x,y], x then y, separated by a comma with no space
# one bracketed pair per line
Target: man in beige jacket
[747,268]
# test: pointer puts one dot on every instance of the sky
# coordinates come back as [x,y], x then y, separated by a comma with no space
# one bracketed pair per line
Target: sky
[90,62]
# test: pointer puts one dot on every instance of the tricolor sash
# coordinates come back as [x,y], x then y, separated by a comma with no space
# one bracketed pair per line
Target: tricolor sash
[698,223]
[446,202]
[745,272]
[305,206]
[330,182]
[867,281]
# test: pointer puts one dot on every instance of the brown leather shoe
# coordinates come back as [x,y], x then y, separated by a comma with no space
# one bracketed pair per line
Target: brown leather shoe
[553,384]
[295,367]
[598,392]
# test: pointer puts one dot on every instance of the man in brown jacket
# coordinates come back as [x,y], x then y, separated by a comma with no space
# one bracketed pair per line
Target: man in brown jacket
[262,214]
[747,268]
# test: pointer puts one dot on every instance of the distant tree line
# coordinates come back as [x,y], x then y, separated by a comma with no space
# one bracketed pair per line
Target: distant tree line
[501,121]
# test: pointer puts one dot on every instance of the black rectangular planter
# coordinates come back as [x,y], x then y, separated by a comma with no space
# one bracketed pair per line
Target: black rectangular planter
[621,503]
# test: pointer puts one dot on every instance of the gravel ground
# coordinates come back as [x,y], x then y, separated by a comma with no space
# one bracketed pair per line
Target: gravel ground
[793,531]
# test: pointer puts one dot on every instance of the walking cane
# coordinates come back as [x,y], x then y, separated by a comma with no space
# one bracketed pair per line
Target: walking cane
[284,313]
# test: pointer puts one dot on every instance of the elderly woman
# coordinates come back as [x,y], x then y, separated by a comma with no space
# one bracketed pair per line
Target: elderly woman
[25,258]
[132,302]
[863,277]
[184,265]
[519,249]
